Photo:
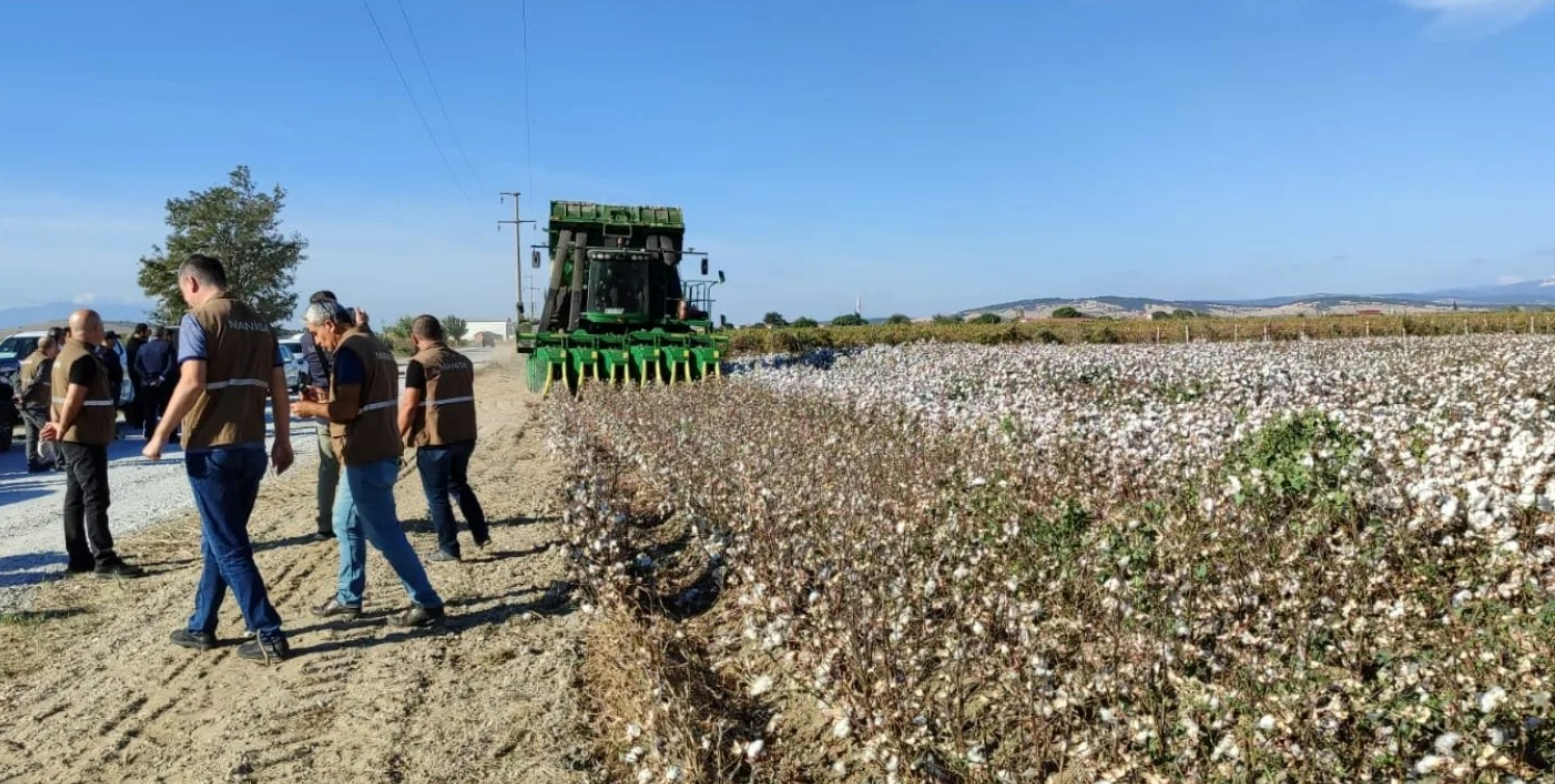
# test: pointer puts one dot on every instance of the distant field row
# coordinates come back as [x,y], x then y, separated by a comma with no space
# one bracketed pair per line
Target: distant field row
[1141,331]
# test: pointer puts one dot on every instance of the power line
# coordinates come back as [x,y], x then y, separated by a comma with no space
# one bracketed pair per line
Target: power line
[437,94]
[414,102]
[529,153]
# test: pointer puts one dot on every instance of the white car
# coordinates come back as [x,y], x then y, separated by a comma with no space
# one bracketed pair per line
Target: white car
[296,366]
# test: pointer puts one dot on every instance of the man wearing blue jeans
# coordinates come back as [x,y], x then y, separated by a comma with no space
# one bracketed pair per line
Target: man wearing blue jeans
[437,418]
[361,413]
[230,363]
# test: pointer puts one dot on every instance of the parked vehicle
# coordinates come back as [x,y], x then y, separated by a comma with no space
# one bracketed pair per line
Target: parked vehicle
[296,367]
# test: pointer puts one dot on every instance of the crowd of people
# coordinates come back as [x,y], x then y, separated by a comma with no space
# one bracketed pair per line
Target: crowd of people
[210,392]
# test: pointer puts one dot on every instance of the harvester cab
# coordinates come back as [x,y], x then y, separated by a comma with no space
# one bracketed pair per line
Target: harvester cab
[616,307]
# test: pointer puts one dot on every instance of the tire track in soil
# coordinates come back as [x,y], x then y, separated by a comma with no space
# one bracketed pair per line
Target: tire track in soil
[492,698]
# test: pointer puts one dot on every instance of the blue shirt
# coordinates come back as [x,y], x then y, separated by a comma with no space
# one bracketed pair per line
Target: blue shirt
[191,345]
[348,369]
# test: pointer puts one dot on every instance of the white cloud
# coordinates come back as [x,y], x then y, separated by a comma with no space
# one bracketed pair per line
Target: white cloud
[1498,12]
[1507,280]
[85,299]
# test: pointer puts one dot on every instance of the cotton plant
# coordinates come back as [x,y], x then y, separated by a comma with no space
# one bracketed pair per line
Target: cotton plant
[1193,562]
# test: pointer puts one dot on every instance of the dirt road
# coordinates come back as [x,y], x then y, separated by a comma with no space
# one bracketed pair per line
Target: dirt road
[91,689]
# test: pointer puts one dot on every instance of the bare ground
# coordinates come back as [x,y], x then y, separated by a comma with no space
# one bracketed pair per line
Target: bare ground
[91,689]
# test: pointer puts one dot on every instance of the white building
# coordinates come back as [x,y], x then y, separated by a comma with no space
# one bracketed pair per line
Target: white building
[502,328]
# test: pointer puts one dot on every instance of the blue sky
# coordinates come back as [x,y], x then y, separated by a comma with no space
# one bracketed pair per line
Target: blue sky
[923,156]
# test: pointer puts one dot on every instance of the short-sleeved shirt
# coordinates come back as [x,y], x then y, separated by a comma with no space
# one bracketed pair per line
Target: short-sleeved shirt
[192,342]
[348,369]
[415,376]
[84,371]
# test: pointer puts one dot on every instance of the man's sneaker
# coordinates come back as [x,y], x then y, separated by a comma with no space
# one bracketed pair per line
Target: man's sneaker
[320,536]
[481,543]
[443,556]
[418,616]
[265,649]
[117,568]
[38,468]
[200,641]
[333,609]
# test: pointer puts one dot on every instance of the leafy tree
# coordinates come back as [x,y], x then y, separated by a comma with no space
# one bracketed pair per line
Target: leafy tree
[239,225]
[454,327]
[805,322]
[1160,315]
[774,319]
[1068,312]
[1183,313]
[940,318]
[898,318]
[849,320]
[987,318]
[400,328]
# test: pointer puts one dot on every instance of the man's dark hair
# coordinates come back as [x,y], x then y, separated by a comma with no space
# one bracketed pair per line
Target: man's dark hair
[427,328]
[206,270]
[163,333]
[58,333]
[321,295]
[142,327]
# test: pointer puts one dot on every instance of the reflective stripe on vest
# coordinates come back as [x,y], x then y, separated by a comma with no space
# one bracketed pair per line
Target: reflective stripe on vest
[448,401]
[61,401]
[238,382]
[376,406]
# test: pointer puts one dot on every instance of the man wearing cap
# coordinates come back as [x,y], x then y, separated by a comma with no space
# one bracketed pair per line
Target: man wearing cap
[231,362]
[361,412]
[81,420]
[437,418]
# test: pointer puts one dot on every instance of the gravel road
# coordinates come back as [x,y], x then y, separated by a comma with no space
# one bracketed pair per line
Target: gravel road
[142,493]
[91,689]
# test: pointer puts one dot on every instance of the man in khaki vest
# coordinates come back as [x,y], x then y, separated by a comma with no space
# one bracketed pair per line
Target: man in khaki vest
[360,408]
[437,418]
[230,363]
[82,421]
[34,380]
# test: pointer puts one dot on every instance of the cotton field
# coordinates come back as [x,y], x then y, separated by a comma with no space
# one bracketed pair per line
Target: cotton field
[1211,562]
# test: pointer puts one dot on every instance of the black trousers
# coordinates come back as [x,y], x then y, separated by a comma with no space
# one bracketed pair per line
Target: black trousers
[87,538]
[153,403]
[135,410]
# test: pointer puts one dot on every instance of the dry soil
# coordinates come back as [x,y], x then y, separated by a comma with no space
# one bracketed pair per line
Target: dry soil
[91,689]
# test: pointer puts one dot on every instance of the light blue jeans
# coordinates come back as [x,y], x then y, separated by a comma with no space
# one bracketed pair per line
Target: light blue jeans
[364,509]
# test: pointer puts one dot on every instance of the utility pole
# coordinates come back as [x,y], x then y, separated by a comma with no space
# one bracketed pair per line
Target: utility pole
[518,250]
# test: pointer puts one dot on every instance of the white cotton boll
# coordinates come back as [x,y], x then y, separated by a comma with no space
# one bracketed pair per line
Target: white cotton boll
[753,750]
[644,776]
[1266,723]
[1446,742]
[1492,699]
[633,732]
[761,685]
[1428,764]
[842,728]
[673,774]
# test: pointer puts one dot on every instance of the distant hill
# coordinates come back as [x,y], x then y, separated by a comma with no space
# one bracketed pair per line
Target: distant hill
[30,316]
[1526,294]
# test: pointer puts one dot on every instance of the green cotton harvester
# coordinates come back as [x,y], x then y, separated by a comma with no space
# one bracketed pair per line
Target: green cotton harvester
[616,308]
